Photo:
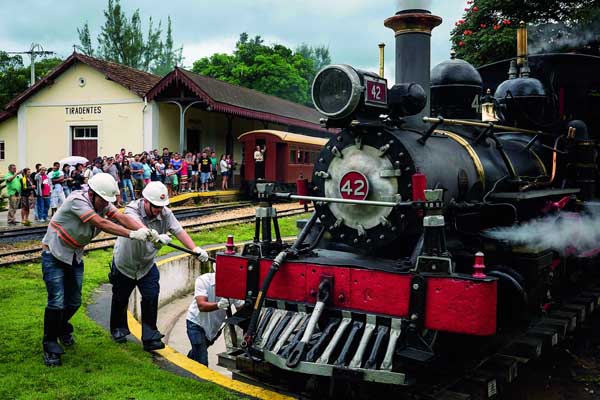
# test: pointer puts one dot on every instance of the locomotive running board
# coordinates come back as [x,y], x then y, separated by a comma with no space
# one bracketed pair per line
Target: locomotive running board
[367,375]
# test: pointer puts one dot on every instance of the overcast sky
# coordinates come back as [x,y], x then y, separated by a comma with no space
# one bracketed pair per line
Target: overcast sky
[351,29]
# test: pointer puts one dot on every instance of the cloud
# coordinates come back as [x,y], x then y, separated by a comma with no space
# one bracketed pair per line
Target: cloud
[351,28]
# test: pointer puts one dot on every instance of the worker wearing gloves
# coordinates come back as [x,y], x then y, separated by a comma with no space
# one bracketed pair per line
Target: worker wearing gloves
[205,317]
[134,265]
[83,215]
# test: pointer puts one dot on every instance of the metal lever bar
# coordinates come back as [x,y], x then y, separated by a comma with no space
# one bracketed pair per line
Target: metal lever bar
[188,251]
[345,201]
[300,349]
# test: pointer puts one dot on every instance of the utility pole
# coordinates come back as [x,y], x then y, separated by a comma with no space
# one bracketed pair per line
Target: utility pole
[34,50]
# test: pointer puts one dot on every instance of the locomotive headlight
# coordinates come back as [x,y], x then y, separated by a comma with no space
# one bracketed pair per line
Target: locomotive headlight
[339,91]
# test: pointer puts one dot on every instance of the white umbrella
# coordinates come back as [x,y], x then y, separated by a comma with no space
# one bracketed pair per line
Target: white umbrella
[73,160]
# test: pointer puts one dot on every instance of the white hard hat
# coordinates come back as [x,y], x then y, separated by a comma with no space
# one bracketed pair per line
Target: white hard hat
[105,186]
[156,193]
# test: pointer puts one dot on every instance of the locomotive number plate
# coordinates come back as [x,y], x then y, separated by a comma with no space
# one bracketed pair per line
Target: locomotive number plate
[354,186]
[375,92]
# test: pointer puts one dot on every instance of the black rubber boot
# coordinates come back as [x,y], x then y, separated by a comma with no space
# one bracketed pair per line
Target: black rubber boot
[52,327]
[154,342]
[66,334]
[151,337]
[120,335]
[118,315]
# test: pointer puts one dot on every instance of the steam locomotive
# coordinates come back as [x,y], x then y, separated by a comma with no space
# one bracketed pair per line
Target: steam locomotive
[396,270]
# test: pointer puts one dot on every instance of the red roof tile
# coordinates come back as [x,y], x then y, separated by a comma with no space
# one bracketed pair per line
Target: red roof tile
[237,100]
[139,82]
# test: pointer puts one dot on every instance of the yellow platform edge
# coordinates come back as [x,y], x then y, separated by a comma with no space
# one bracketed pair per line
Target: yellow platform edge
[197,369]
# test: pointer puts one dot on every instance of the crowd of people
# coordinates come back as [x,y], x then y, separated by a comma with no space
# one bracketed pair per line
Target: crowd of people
[43,190]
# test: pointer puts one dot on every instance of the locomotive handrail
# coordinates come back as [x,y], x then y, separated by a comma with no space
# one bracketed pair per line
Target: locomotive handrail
[345,201]
[490,125]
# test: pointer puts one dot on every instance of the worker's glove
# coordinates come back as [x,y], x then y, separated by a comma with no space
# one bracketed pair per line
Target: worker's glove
[161,241]
[223,304]
[201,254]
[140,234]
[153,236]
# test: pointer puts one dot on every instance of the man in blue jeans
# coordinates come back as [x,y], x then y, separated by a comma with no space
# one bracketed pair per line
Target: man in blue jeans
[205,316]
[83,215]
[133,265]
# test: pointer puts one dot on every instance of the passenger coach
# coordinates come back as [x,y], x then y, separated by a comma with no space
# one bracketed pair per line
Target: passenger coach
[287,156]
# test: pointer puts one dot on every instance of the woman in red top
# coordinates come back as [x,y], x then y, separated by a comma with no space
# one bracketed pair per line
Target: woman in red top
[184,175]
[42,185]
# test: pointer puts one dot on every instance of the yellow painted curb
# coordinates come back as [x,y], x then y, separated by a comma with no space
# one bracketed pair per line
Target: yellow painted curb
[204,372]
[216,193]
[198,369]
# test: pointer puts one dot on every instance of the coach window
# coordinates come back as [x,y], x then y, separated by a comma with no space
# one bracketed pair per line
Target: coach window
[292,156]
[2,150]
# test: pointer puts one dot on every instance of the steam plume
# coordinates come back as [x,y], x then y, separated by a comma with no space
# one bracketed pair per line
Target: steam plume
[413,5]
[553,37]
[567,233]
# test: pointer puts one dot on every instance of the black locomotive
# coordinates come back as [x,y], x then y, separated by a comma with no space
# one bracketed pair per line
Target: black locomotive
[398,269]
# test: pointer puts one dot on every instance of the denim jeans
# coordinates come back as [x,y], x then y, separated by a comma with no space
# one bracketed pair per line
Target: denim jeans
[63,282]
[43,205]
[197,336]
[128,185]
[121,290]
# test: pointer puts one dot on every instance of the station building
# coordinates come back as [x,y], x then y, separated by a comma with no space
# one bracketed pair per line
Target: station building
[90,107]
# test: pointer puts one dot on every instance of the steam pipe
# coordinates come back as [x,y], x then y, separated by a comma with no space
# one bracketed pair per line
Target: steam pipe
[462,122]
[522,49]
[344,201]
[381,59]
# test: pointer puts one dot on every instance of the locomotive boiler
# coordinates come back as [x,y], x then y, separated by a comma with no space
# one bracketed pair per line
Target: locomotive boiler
[397,270]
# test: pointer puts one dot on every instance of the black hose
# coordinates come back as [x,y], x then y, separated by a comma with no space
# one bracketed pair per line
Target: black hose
[513,281]
[279,260]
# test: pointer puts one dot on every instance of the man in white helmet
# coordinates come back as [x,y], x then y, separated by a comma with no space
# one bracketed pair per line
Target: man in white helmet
[83,215]
[133,264]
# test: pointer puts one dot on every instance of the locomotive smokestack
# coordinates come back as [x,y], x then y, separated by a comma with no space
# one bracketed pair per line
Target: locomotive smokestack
[413,25]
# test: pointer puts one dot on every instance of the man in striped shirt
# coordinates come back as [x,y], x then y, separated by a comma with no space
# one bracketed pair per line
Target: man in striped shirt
[83,215]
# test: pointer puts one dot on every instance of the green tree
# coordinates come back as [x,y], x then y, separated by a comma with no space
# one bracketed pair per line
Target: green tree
[274,69]
[15,76]
[319,57]
[487,30]
[121,40]
[167,56]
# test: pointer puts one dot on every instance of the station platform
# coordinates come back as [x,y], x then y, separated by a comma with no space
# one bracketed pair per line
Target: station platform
[197,197]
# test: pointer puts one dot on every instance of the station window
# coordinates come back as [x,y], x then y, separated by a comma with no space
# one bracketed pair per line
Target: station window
[2,150]
[85,132]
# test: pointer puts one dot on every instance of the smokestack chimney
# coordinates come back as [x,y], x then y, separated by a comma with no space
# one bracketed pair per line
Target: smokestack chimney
[413,27]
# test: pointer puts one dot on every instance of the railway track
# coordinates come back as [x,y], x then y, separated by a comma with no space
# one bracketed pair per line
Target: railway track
[35,232]
[33,254]
[501,374]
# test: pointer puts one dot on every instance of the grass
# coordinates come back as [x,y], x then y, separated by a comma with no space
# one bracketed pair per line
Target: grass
[96,368]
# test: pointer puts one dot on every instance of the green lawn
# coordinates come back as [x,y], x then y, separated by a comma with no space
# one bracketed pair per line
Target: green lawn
[96,368]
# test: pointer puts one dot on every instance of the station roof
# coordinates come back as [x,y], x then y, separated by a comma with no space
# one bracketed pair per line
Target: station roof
[288,137]
[139,82]
[237,100]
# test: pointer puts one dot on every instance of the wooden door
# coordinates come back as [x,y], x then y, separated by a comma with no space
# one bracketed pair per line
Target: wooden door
[84,141]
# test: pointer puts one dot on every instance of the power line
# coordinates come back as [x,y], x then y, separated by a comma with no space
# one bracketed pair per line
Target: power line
[35,50]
